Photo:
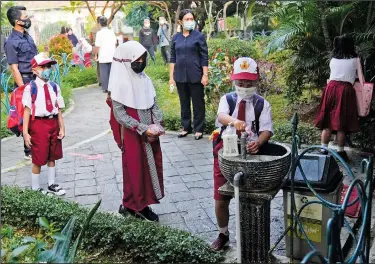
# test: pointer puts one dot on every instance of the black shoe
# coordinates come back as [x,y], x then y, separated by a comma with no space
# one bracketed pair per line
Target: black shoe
[56,189]
[127,211]
[343,155]
[148,215]
[105,91]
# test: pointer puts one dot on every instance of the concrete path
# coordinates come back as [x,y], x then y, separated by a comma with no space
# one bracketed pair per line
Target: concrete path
[92,171]
[88,118]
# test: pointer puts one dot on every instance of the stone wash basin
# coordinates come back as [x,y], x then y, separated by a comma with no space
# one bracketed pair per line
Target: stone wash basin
[262,172]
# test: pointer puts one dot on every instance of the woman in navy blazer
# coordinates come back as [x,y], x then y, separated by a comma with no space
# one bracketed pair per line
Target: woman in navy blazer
[189,70]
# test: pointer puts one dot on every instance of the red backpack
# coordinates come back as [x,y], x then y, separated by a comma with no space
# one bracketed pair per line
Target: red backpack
[15,119]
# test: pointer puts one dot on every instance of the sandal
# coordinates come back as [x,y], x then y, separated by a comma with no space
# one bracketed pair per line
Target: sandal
[198,137]
[183,134]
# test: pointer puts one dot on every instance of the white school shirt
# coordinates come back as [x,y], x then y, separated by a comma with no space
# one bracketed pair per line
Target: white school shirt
[106,42]
[40,102]
[265,119]
[344,70]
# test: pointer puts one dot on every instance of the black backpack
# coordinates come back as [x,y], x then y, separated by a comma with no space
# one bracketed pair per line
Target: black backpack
[258,103]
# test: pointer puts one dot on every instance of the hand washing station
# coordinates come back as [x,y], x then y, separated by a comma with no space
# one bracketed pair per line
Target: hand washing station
[254,180]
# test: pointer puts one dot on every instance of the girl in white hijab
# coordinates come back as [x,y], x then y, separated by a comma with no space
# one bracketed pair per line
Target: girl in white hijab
[136,123]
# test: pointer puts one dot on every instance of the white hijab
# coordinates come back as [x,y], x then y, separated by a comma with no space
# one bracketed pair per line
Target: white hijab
[134,90]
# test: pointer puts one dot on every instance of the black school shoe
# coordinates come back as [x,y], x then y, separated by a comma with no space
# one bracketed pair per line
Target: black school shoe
[56,189]
[127,211]
[148,215]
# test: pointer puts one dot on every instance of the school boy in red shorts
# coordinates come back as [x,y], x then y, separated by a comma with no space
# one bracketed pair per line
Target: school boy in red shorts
[43,124]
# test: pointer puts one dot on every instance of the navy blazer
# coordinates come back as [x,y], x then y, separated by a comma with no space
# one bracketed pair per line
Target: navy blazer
[189,54]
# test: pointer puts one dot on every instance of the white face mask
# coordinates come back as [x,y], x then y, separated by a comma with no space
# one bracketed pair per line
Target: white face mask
[245,92]
[161,22]
[147,25]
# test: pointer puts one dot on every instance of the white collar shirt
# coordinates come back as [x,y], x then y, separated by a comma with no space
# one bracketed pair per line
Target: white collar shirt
[40,101]
[106,42]
[265,119]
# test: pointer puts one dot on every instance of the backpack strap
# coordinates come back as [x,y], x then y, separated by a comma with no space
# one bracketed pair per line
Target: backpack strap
[258,103]
[232,100]
[54,86]
[34,93]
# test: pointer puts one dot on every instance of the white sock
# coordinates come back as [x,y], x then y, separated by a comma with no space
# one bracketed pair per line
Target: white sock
[324,145]
[224,230]
[51,175]
[340,149]
[35,181]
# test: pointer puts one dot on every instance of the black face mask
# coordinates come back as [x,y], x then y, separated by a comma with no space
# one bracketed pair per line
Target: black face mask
[27,23]
[138,66]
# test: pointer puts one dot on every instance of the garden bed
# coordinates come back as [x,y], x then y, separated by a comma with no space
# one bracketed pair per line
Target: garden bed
[108,234]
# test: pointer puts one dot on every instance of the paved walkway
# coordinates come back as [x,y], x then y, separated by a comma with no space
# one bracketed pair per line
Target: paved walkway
[88,118]
[93,171]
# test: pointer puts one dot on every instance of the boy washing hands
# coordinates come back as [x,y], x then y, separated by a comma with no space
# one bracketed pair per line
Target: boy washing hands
[246,111]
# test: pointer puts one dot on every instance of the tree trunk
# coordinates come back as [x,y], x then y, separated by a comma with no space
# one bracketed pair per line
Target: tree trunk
[225,17]
[180,3]
[323,18]
[209,16]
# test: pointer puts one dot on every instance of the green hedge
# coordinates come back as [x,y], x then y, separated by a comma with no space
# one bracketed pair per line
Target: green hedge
[143,241]
[76,78]
[234,47]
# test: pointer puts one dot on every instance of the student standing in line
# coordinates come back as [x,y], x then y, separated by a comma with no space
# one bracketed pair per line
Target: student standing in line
[136,128]
[43,124]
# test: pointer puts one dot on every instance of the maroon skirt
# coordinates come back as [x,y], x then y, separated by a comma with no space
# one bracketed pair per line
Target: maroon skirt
[338,108]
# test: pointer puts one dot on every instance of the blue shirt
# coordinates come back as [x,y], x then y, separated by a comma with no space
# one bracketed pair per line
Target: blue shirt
[20,49]
[189,54]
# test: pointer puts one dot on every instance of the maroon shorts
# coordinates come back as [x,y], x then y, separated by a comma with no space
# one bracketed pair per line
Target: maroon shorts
[45,144]
[219,179]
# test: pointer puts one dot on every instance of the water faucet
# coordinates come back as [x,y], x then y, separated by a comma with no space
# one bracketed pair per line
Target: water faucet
[244,136]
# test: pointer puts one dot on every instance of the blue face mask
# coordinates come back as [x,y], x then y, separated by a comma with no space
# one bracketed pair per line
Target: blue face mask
[189,25]
[46,74]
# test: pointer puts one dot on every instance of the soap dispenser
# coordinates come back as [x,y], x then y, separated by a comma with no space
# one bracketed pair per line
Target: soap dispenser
[230,146]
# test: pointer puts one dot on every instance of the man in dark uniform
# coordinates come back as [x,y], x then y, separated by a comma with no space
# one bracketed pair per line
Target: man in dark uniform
[20,49]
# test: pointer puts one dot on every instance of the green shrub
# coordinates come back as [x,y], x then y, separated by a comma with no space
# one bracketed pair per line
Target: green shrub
[77,78]
[308,133]
[235,48]
[145,242]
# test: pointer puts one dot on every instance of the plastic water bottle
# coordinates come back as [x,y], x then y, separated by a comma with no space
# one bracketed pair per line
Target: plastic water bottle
[230,146]
[171,88]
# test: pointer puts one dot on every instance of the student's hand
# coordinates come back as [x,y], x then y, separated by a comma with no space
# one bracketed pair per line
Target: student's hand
[27,139]
[150,133]
[239,125]
[171,82]
[61,134]
[204,80]
[252,147]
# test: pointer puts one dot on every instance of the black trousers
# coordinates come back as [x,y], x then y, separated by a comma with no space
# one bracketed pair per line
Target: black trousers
[192,92]
[165,53]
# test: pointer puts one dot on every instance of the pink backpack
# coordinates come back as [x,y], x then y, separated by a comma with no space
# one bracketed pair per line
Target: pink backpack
[363,91]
